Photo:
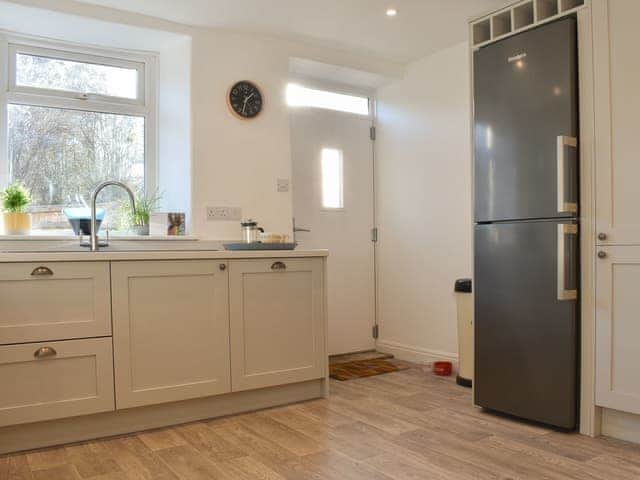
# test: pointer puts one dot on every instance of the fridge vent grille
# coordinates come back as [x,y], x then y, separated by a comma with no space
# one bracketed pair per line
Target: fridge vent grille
[519,17]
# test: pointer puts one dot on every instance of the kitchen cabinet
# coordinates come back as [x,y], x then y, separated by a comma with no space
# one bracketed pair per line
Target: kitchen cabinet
[171,330]
[277,322]
[44,381]
[618,328]
[616,81]
[54,301]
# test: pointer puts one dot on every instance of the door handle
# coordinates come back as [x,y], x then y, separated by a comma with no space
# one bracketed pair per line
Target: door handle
[564,230]
[278,266]
[563,142]
[301,229]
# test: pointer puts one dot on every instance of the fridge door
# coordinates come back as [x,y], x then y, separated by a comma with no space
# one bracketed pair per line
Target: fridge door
[526,320]
[526,124]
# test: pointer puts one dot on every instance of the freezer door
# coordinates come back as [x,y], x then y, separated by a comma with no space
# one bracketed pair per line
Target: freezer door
[526,320]
[526,124]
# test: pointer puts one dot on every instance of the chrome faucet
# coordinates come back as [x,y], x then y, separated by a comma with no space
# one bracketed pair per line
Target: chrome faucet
[94,234]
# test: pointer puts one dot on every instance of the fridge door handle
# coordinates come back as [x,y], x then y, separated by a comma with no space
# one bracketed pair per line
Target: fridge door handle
[564,230]
[562,143]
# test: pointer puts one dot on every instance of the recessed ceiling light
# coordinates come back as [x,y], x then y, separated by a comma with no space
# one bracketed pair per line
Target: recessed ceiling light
[391,12]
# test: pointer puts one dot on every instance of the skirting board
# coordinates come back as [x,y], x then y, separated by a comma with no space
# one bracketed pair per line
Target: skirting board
[69,430]
[415,354]
[621,425]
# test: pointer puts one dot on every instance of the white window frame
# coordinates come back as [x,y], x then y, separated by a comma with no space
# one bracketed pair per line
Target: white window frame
[145,105]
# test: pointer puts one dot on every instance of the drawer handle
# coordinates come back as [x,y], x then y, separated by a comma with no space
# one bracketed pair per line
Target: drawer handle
[278,266]
[44,352]
[42,272]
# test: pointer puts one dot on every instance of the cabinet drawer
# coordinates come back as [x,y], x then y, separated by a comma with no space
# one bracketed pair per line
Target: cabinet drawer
[54,301]
[44,381]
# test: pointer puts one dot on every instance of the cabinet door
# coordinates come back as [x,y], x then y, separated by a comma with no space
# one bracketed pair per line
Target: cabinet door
[44,381]
[617,76]
[277,322]
[170,331]
[618,329]
[54,301]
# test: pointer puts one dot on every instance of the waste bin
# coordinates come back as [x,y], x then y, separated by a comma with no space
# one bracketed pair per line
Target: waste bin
[464,302]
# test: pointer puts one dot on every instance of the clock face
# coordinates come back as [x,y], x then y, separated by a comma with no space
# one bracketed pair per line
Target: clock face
[245,99]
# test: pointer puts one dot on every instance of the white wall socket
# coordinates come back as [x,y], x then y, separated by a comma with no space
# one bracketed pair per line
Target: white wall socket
[224,213]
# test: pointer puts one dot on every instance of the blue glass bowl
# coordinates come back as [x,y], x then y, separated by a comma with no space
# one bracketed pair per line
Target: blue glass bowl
[80,219]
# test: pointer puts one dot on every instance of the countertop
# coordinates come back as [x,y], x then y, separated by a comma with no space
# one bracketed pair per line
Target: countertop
[149,250]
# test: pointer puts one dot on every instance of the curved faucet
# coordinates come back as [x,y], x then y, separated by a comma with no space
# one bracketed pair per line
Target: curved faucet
[94,233]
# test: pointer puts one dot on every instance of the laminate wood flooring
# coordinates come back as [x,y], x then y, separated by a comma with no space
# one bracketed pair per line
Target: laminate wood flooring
[407,425]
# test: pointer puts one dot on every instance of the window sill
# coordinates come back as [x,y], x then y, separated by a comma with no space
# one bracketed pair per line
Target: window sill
[43,235]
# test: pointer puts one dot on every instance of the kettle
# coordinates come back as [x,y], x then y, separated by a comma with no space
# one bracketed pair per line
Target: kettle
[250,231]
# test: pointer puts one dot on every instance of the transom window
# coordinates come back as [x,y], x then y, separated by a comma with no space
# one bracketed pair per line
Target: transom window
[73,120]
[299,96]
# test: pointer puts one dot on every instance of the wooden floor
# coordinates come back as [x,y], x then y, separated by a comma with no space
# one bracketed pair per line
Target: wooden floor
[403,425]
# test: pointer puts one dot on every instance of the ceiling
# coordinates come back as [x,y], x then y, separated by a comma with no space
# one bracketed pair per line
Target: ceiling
[421,26]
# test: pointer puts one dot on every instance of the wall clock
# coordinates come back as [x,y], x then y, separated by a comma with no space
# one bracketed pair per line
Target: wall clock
[245,100]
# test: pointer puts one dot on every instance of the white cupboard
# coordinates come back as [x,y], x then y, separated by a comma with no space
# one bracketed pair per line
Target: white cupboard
[277,322]
[54,301]
[44,381]
[618,328]
[171,330]
[617,103]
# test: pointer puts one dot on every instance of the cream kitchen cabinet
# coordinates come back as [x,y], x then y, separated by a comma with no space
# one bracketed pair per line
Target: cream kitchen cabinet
[618,328]
[617,103]
[170,330]
[45,381]
[54,301]
[277,322]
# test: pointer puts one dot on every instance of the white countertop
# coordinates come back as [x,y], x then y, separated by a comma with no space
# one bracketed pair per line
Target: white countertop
[122,250]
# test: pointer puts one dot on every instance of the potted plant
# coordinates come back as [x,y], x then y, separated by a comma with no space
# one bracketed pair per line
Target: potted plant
[146,204]
[15,199]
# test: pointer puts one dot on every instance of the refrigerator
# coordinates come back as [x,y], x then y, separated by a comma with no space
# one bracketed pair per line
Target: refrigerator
[526,232]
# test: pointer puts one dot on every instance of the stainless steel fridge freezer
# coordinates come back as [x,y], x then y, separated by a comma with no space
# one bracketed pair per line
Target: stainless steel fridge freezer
[526,259]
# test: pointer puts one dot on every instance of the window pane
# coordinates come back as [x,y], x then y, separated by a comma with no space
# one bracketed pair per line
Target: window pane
[332,178]
[61,155]
[298,96]
[67,75]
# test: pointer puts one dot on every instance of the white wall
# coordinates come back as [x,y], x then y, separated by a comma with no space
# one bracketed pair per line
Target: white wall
[424,204]
[233,162]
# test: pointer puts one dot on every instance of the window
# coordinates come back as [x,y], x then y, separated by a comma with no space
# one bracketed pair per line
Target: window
[75,119]
[332,179]
[298,96]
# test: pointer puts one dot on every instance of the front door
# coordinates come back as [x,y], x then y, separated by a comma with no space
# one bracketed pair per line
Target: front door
[333,198]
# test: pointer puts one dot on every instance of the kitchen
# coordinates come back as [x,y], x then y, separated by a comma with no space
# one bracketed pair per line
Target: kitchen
[410,76]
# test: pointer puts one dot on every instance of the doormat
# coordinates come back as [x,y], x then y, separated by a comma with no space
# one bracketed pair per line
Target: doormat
[365,368]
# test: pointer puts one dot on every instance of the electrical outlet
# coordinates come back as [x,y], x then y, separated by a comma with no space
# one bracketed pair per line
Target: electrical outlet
[283,185]
[224,213]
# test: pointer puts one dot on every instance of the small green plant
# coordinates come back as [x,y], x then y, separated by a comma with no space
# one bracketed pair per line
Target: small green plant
[15,198]
[146,204]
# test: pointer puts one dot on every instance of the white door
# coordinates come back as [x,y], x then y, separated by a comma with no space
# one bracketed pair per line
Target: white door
[345,231]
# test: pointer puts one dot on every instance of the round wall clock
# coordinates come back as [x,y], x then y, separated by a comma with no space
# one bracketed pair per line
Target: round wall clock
[245,100]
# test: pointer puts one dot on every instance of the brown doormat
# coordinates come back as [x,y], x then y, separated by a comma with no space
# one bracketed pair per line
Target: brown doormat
[365,368]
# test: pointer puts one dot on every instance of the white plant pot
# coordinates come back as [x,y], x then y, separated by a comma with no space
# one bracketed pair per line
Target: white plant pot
[140,229]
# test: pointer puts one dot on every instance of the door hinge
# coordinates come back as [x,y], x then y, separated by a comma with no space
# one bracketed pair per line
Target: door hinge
[374,234]
[372,133]
[375,331]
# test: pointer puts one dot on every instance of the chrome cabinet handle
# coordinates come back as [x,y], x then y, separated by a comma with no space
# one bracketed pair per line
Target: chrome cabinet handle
[44,352]
[602,254]
[562,142]
[564,230]
[223,267]
[602,236]
[278,266]
[41,272]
